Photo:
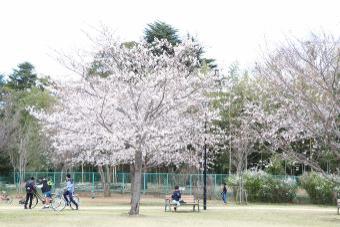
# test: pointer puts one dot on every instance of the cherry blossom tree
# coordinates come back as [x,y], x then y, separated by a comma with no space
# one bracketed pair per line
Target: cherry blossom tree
[147,106]
[300,98]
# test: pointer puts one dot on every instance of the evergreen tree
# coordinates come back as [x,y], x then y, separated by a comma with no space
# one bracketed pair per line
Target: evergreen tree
[23,77]
[161,30]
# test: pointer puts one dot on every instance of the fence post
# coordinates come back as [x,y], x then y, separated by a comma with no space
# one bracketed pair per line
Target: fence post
[124,182]
[16,180]
[92,182]
[144,183]
[55,183]
[89,180]
[167,182]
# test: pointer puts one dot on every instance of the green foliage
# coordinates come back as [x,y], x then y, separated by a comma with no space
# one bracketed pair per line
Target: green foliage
[319,189]
[98,66]
[23,77]
[130,44]
[26,127]
[161,30]
[24,140]
[262,187]
[275,166]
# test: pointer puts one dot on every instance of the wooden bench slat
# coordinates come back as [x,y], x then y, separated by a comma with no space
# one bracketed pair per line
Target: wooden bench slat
[188,200]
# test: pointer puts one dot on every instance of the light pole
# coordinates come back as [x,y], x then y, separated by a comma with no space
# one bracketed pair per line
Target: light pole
[229,136]
[205,165]
[222,91]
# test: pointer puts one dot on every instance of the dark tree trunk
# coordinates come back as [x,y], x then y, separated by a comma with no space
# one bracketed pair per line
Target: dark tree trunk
[136,184]
[132,172]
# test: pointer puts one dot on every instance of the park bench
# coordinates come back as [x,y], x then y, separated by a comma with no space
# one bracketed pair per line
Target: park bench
[189,200]
[338,204]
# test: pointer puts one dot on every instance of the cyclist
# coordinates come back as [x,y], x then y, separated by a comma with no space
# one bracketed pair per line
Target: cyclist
[30,189]
[69,191]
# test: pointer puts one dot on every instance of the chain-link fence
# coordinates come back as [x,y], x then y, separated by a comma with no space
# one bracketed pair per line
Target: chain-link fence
[152,183]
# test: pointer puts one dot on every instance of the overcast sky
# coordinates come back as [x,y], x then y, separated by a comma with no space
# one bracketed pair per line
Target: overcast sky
[229,30]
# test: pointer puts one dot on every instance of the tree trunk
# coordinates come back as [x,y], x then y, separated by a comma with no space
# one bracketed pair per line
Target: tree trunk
[132,172]
[136,184]
[14,180]
[105,179]
[62,173]
[22,162]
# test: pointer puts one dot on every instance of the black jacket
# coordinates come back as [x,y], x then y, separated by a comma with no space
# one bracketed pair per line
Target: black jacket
[30,186]
[176,195]
[45,186]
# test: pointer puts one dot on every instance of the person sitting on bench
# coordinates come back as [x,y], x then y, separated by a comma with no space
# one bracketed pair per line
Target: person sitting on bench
[176,196]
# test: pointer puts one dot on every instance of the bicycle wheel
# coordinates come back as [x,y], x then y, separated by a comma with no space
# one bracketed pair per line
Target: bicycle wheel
[34,201]
[58,203]
[76,199]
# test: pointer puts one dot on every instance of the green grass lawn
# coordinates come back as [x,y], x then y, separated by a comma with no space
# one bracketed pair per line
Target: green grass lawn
[101,212]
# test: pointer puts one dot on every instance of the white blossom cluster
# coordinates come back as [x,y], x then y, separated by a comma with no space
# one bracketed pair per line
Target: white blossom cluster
[145,102]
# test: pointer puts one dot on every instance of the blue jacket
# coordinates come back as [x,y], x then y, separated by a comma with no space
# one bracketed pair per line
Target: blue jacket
[70,186]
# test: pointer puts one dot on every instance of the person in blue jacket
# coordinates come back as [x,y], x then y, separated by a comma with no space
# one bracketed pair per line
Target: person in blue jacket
[69,191]
[176,196]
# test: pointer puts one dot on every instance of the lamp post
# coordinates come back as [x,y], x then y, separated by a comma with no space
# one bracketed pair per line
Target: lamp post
[205,155]
[222,86]
[205,167]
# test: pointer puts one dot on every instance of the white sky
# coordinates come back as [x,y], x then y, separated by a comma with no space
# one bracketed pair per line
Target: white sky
[229,30]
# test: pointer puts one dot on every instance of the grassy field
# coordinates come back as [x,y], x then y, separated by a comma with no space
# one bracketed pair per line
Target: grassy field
[113,212]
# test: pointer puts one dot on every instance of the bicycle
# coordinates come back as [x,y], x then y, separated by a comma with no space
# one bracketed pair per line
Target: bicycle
[35,199]
[6,198]
[59,202]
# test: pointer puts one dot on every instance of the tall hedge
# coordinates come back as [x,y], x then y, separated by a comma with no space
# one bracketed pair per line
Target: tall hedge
[320,189]
[263,187]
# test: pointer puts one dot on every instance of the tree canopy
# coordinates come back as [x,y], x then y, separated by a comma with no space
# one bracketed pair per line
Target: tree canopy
[23,77]
[161,30]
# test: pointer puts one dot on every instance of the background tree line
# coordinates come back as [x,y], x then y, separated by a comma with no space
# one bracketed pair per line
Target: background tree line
[283,117]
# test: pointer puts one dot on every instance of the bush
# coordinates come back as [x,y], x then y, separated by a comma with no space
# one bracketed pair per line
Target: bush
[319,189]
[266,188]
[263,187]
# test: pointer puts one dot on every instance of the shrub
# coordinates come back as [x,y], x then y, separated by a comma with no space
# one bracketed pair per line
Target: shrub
[263,187]
[319,188]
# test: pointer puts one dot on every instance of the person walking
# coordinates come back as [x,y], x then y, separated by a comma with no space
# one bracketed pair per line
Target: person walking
[224,193]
